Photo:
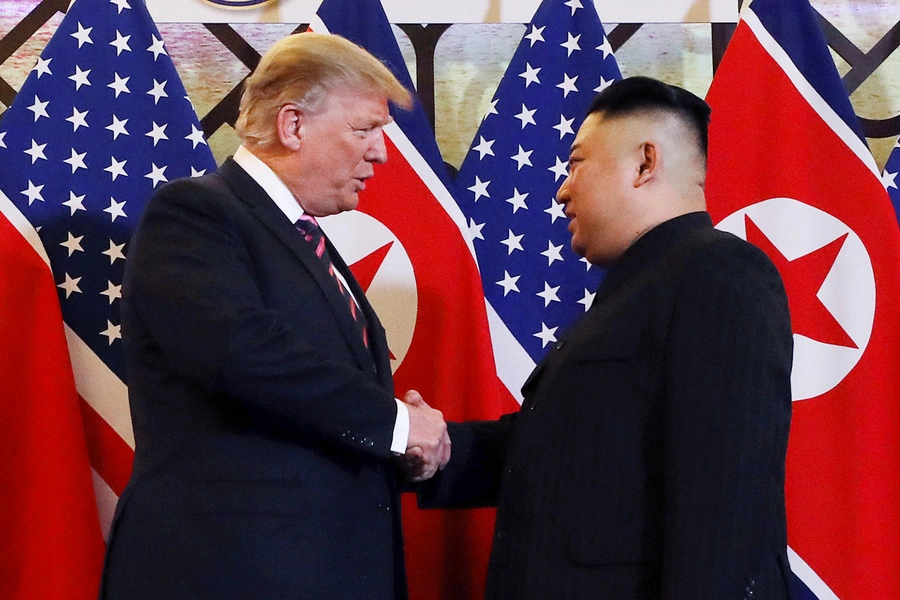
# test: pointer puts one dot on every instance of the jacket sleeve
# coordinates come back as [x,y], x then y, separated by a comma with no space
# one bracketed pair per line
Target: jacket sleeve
[191,284]
[727,415]
[472,477]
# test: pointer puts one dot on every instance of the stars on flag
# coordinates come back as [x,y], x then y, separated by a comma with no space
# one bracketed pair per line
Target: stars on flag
[532,278]
[100,123]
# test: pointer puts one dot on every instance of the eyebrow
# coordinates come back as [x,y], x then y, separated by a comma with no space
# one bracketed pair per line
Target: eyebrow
[574,147]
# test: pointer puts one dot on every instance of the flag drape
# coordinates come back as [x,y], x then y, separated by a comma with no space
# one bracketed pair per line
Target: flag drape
[790,171]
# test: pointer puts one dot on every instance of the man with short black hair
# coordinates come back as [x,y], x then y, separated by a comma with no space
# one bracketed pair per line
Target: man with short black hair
[648,459]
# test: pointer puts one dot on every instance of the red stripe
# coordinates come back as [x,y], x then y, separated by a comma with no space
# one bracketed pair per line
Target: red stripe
[110,456]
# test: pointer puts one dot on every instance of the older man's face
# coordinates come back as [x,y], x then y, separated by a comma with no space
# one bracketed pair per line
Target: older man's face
[338,150]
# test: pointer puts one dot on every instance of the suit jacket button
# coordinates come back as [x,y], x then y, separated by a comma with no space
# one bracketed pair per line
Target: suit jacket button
[370,443]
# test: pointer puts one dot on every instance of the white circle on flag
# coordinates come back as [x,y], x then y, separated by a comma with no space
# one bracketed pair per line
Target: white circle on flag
[392,291]
[848,291]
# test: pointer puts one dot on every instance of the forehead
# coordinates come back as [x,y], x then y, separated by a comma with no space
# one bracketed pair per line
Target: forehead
[355,105]
[594,131]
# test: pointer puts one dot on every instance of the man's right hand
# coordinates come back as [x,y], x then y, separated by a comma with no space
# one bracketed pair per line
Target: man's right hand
[428,448]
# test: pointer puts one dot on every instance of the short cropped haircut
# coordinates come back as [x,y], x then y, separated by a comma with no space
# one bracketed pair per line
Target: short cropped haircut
[303,69]
[637,95]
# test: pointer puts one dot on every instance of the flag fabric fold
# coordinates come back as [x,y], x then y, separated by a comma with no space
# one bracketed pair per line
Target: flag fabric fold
[101,121]
[889,177]
[534,283]
[790,171]
[407,244]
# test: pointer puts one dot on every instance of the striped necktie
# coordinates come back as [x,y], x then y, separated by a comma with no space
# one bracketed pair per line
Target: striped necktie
[314,235]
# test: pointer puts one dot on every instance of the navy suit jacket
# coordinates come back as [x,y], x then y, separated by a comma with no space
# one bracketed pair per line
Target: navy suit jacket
[262,423]
[647,461]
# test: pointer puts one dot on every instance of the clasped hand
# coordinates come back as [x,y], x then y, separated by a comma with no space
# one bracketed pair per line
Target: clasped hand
[428,448]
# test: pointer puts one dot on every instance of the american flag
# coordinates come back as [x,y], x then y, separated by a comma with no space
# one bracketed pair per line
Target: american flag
[518,159]
[101,122]
[891,170]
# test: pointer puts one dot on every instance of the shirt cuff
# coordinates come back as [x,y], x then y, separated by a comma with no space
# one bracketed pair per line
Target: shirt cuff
[401,429]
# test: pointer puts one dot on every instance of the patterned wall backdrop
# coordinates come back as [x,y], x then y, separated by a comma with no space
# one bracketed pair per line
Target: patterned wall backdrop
[457,66]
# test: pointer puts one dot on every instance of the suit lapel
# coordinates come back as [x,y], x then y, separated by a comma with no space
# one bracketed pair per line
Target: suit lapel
[265,209]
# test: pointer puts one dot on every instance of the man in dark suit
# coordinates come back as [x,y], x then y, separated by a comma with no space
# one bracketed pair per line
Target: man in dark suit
[647,461]
[260,386]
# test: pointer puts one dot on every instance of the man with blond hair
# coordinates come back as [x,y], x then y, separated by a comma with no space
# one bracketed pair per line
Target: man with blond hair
[266,427]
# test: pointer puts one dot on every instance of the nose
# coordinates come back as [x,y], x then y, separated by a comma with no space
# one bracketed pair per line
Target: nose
[377,152]
[562,194]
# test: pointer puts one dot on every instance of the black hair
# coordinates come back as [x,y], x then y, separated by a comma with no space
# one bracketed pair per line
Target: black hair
[636,95]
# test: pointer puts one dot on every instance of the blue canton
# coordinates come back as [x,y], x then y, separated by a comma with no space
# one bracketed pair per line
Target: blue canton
[101,122]
[518,160]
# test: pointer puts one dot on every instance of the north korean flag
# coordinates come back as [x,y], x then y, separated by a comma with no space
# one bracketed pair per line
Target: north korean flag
[790,171]
[409,247]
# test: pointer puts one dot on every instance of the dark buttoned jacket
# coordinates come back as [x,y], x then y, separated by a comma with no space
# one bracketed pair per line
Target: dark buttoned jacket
[262,423]
[647,460]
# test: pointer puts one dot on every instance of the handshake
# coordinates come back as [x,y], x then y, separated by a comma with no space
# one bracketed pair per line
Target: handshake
[428,448]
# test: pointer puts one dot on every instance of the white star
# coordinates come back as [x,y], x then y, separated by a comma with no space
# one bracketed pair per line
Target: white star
[603,84]
[77,119]
[564,127]
[121,43]
[530,75]
[480,188]
[518,200]
[80,77]
[75,203]
[567,85]
[513,242]
[122,4]
[546,335]
[491,109]
[158,91]
[2,143]
[70,285]
[605,47]
[587,300]
[73,244]
[157,133]
[116,168]
[76,161]
[559,169]
[83,35]
[552,253]
[42,66]
[39,109]
[117,127]
[571,44]
[113,332]
[33,192]
[115,252]
[475,230]
[113,292]
[556,211]
[535,35]
[890,180]
[120,85]
[587,263]
[574,5]
[526,116]
[484,147]
[549,294]
[36,151]
[196,173]
[116,209]
[157,48]
[157,174]
[522,158]
[509,284]
[196,136]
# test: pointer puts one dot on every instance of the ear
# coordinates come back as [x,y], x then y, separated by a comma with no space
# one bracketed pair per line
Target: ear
[289,126]
[649,165]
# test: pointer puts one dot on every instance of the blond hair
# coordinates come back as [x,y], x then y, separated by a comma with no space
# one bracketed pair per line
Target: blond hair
[303,69]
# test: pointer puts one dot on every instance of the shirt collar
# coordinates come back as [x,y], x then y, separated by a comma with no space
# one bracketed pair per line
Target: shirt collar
[269,182]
